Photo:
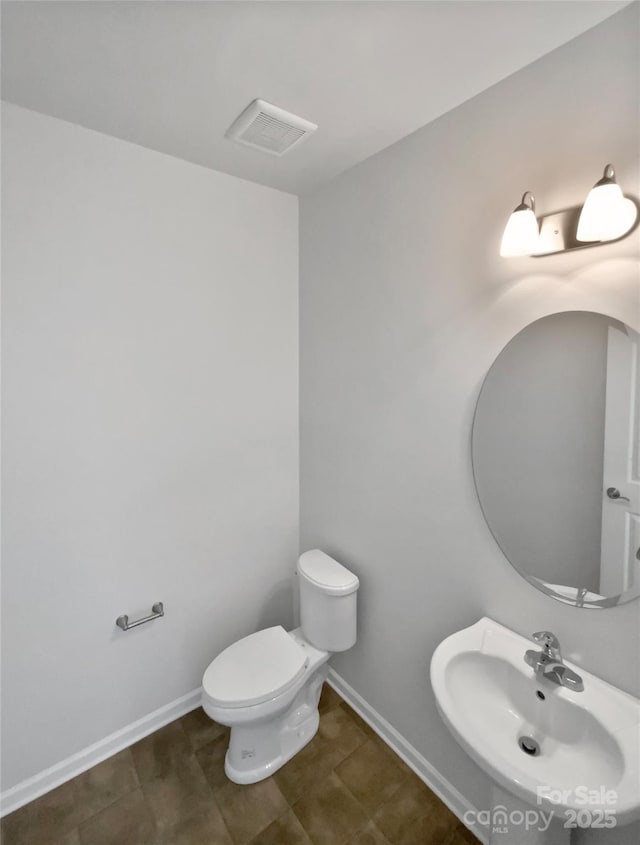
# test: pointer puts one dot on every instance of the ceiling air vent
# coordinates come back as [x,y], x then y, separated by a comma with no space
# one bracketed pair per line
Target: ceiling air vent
[269,128]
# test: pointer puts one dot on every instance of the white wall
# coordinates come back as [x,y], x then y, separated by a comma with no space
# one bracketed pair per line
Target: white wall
[405,303]
[150,428]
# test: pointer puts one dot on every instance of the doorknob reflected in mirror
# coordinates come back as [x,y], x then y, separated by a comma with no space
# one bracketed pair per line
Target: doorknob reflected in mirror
[614,493]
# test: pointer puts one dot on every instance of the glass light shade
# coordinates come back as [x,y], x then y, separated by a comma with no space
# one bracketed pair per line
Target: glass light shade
[520,234]
[605,214]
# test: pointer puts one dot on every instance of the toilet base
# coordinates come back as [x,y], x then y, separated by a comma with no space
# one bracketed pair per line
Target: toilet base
[256,751]
[292,741]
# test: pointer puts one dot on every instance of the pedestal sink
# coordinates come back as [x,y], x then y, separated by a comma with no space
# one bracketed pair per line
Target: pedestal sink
[568,759]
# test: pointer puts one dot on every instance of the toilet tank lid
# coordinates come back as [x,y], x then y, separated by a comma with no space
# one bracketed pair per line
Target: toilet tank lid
[327,574]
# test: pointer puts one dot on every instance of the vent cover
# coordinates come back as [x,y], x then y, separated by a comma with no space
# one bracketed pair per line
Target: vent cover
[269,128]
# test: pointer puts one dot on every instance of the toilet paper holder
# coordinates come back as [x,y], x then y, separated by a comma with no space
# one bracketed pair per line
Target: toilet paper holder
[157,611]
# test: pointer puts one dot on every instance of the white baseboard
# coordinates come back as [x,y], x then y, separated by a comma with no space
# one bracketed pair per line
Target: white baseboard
[34,787]
[445,790]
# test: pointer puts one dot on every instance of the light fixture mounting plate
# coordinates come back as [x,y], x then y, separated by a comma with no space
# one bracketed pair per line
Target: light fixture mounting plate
[558,231]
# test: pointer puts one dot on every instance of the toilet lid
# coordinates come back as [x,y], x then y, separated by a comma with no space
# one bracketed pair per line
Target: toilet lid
[254,669]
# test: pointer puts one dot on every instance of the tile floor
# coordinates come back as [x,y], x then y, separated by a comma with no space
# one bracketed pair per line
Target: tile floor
[345,788]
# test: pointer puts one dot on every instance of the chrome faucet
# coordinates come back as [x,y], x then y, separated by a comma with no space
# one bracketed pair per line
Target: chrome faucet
[581,592]
[548,662]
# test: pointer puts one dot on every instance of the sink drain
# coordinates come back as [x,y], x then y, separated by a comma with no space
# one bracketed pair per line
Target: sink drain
[529,746]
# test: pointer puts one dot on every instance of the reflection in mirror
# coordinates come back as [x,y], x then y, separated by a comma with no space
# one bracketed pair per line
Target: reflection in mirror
[556,457]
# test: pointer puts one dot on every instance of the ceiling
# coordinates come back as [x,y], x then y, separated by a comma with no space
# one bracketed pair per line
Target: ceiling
[172,76]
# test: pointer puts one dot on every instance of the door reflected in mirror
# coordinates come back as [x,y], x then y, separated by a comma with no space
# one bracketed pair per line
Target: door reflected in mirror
[556,457]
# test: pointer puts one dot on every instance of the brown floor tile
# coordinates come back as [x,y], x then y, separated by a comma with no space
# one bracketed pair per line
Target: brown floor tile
[161,752]
[369,836]
[309,767]
[399,817]
[433,829]
[52,816]
[211,759]
[178,795]
[205,828]
[330,814]
[200,728]
[409,775]
[455,838]
[389,752]
[360,722]
[286,830]
[100,786]
[248,810]
[329,699]
[462,836]
[339,729]
[72,838]
[371,734]
[371,775]
[337,737]
[127,822]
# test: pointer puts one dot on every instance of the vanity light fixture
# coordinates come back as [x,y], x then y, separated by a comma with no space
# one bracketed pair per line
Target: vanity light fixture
[521,232]
[607,215]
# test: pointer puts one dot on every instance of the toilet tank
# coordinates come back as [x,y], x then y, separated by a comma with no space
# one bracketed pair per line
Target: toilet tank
[328,595]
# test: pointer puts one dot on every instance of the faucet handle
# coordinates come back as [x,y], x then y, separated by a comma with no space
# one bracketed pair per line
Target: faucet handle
[549,642]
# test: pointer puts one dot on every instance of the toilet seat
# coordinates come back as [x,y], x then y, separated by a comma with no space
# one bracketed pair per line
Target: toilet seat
[255,669]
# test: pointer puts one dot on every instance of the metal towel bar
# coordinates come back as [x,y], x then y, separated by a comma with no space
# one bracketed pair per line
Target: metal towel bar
[156,612]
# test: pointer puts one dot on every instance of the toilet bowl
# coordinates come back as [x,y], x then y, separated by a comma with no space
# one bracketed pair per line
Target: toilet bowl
[266,686]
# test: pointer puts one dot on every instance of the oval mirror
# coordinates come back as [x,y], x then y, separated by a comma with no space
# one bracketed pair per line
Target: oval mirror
[556,457]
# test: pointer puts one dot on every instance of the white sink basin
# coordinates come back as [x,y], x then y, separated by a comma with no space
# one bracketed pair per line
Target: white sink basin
[589,742]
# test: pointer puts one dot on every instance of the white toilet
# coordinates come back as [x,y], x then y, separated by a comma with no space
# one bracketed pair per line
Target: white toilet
[266,686]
